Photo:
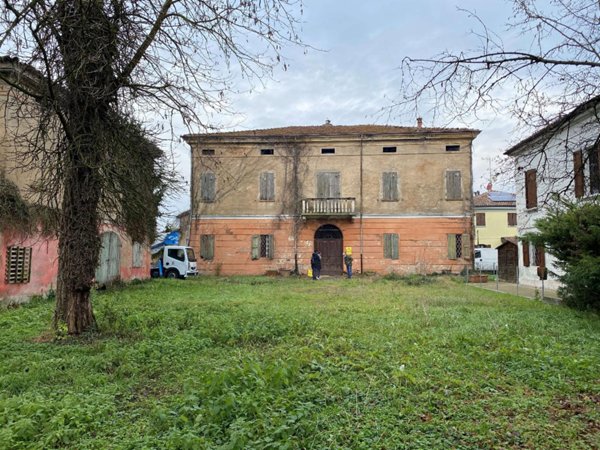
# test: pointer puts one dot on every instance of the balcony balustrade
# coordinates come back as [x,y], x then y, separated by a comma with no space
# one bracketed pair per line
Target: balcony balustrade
[327,207]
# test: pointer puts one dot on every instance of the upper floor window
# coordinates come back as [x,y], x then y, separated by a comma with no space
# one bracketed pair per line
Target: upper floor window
[480,219]
[18,265]
[207,187]
[512,219]
[579,174]
[208,151]
[328,185]
[593,159]
[531,188]
[389,149]
[453,185]
[452,148]
[389,186]
[327,151]
[267,186]
[266,151]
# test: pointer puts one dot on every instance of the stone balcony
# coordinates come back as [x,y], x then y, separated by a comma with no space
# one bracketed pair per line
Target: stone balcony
[329,207]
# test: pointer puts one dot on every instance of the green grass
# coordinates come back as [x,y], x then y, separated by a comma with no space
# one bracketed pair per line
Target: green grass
[238,363]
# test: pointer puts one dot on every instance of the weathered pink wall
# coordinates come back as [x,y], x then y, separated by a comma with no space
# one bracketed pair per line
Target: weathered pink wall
[44,263]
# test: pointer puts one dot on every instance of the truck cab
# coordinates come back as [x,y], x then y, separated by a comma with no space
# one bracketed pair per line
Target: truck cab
[174,261]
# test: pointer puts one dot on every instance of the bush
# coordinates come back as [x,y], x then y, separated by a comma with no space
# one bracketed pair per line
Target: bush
[571,233]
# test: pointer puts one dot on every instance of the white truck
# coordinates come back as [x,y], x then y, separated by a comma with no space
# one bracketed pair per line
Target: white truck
[486,259]
[174,261]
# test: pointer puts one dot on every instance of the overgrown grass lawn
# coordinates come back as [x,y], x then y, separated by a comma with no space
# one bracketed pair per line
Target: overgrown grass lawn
[242,363]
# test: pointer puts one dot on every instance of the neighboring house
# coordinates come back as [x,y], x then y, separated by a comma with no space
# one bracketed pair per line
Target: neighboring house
[399,198]
[562,160]
[495,217]
[29,260]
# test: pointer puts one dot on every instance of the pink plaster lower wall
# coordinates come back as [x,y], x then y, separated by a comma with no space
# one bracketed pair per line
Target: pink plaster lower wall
[44,263]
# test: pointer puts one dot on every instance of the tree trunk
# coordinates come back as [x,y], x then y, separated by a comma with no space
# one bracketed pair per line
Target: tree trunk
[78,247]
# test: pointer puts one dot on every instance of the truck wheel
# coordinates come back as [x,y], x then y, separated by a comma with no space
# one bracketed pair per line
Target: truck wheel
[173,273]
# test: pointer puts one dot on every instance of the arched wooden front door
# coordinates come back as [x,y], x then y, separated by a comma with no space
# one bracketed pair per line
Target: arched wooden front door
[109,263]
[330,242]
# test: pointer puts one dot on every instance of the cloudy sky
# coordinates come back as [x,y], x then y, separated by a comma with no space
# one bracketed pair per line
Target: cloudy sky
[353,72]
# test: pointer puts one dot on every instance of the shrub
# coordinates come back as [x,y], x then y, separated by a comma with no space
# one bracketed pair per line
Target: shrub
[571,233]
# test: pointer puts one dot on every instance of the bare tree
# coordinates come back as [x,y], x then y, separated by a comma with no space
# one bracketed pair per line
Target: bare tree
[557,69]
[105,65]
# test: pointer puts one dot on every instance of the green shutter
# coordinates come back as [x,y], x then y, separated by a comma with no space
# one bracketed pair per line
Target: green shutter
[207,187]
[451,246]
[256,246]
[210,247]
[390,186]
[270,186]
[270,246]
[466,246]
[394,244]
[453,185]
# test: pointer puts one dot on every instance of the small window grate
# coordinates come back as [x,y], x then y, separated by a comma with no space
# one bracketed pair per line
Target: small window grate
[327,151]
[452,148]
[208,152]
[18,265]
[389,149]
[267,151]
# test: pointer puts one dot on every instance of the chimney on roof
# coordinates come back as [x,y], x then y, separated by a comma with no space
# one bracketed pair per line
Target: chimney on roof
[327,122]
[489,187]
[419,122]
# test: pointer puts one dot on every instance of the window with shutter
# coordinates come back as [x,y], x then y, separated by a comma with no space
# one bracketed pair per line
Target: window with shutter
[531,188]
[459,246]
[138,255]
[594,164]
[453,185]
[540,256]
[390,246]
[480,219]
[18,265]
[525,245]
[512,219]
[579,176]
[207,187]
[390,186]
[267,186]
[328,185]
[452,246]
[207,247]
[263,246]
[466,246]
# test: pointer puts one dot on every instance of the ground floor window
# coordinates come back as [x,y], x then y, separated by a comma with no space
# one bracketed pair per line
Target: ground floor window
[207,247]
[390,246]
[138,254]
[262,246]
[18,265]
[459,246]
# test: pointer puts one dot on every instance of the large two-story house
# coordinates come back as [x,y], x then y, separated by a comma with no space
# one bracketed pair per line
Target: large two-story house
[398,198]
[559,161]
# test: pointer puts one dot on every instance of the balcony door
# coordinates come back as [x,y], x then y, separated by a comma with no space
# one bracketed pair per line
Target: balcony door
[330,242]
[328,185]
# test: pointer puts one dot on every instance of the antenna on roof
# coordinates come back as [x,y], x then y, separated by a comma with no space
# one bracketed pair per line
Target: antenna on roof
[327,122]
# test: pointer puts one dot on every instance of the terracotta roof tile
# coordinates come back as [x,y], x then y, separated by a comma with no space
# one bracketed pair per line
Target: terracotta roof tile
[332,130]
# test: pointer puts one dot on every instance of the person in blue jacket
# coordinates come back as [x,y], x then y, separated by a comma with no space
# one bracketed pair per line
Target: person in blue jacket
[315,264]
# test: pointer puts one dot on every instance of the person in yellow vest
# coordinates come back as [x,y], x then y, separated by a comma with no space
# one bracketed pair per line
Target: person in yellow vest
[348,261]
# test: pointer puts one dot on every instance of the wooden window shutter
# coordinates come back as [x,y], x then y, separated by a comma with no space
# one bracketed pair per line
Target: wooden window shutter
[207,187]
[270,246]
[512,219]
[451,246]
[480,219]
[531,188]
[256,246]
[267,186]
[594,163]
[328,185]
[540,256]
[525,253]
[579,177]
[390,246]
[390,186]
[453,185]
[207,247]
[335,186]
[322,187]
[466,246]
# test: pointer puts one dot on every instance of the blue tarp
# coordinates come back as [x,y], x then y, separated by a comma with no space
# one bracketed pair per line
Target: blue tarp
[171,238]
